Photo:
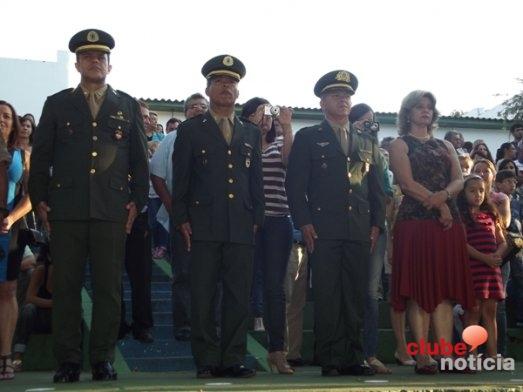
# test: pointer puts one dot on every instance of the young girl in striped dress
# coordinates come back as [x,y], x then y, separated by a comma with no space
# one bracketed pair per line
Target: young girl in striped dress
[486,245]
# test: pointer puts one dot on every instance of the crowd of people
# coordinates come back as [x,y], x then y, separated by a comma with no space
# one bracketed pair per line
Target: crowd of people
[250,216]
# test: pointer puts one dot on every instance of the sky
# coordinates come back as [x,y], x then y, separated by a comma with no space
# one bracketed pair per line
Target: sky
[468,53]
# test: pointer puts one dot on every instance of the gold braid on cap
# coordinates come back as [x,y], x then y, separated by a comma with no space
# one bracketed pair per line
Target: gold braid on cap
[103,48]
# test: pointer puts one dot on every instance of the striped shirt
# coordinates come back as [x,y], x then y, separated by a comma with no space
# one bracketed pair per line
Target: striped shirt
[274,180]
[486,280]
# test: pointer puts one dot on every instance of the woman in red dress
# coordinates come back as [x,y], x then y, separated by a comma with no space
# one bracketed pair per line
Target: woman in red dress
[430,262]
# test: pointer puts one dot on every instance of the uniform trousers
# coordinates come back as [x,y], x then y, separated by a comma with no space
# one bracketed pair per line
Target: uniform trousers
[73,242]
[181,293]
[339,281]
[231,262]
[138,264]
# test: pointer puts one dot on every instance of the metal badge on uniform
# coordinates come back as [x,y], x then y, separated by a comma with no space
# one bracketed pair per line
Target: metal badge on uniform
[323,144]
[118,135]
[247,162]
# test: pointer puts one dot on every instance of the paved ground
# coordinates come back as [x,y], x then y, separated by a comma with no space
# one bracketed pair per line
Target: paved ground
[306,379]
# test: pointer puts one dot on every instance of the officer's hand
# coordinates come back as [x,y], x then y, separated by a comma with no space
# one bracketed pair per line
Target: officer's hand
[185,229]
[374,234]
[42,209]
[131,216]
[309,236]
[6,224]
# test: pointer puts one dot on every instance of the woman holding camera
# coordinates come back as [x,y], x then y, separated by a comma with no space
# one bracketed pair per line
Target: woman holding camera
[18,205]
[274,238]
[362,119]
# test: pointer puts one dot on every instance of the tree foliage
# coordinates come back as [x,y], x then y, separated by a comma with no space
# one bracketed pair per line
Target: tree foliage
[513,107]
[457,113]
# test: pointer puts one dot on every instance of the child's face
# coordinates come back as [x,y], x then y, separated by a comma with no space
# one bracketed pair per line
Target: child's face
[482,170]
[510,166]
[466,166]
[475,192]
[507,186]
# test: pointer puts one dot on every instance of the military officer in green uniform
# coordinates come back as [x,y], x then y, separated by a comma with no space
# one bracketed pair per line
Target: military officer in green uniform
[88,178]
[217,205]
[336,198]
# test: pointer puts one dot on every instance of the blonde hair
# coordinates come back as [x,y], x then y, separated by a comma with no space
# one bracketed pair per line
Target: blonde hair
[490,166]
[408,103]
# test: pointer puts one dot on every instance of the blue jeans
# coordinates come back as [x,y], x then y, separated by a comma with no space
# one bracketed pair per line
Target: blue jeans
[370,321]
[159,236]
[272,251]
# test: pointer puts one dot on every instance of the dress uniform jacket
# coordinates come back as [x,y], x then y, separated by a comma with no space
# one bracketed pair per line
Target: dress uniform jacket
[342,196]
[89,169]
[217,187]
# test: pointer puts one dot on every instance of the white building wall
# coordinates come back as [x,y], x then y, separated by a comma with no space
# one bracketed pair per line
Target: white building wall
[27,83]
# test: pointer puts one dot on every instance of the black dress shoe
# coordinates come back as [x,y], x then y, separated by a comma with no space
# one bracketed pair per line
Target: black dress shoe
[143,335]
[123,331]
[103,371]
[207,372]
[238,371]
[357,370]
[67,372]
[183,334]
[329,371]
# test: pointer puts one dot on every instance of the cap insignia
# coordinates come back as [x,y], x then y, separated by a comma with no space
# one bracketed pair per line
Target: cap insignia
[343,76]
[228,61]
[92,36]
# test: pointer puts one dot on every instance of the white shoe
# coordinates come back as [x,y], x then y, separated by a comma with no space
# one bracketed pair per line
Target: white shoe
[258,324]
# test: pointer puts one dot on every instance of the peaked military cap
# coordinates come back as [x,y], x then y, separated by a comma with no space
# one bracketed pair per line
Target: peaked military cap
[224,65]
[91,39]
[339,78]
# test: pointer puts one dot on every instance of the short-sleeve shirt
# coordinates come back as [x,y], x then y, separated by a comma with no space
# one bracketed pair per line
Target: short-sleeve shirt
[161,166]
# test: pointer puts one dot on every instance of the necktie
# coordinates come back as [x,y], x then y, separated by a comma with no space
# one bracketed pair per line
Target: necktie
[342,137]
[226,128]
[93,102]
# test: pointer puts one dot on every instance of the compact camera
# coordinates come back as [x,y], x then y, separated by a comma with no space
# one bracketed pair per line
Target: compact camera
[371,126]
[270,110]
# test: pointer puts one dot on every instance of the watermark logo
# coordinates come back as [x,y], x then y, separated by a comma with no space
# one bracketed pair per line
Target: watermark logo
[454,356]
